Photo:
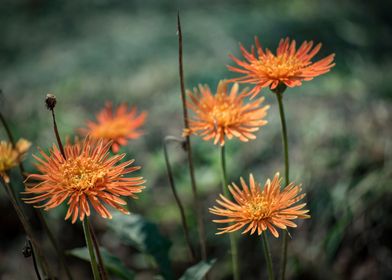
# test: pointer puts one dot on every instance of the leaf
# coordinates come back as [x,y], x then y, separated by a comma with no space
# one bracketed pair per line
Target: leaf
[113,264]
[198,271]
[144,236]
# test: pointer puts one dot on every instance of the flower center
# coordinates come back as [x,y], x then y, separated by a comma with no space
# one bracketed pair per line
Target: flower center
[8,158]
[82,173]
[256,209]
[224,113]
[277,67]
[111,129]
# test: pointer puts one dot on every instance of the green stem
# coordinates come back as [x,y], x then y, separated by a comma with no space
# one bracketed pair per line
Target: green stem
[279,96]
[267,255]
[90,246]
[233,243]
[101,265]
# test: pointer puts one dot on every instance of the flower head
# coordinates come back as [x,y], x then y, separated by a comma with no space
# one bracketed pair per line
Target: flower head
[88,176]
[224,114]
[288,66]
[118,126]
[11,156]
[261,209]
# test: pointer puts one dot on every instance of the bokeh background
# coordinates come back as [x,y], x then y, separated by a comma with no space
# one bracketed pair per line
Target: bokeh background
[89,52]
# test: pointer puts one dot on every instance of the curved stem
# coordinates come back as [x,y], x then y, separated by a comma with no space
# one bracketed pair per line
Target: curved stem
[267,255]
[27,228]
[233,243]
[54,242]
[279,96]
[34,260]
[90,247]
[198,209]
[45,226]
[184,223]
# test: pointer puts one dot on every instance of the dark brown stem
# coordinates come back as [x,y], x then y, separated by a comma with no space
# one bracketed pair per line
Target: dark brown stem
[101,264]
[198,209]
[55,245]
[11,139]
[7,130]
[34,260]
[184,223]
[56,132]
[60,253]
[27,228]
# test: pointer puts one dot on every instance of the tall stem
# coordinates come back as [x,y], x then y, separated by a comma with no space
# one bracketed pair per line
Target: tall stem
[27,228]
[35,263]
[198,209]
[101,264]
[233,243]
[56,132]
[279,96]
[176,196]
[45,226]
[90,247]
[267,255]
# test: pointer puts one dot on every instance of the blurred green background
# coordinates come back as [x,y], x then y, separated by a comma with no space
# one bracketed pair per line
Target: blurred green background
[89,52]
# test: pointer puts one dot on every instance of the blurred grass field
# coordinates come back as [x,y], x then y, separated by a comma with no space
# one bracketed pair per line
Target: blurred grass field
[339,124]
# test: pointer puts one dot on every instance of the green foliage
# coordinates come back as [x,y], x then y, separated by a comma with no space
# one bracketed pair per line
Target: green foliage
[198,271]
[144,236]
[112,263]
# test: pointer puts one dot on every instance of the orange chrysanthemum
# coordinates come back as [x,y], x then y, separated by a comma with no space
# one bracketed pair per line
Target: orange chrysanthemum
[289,66]
[88,176]
[261,209]
[118,126]
[11,156]
[224,114]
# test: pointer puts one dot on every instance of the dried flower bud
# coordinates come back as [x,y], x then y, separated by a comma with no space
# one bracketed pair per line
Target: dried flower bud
[27,252]
[50,101]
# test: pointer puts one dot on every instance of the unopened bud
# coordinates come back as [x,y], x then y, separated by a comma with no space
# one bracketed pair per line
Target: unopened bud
[50,101]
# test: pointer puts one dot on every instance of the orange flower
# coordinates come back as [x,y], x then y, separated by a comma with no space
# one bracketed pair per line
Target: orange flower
[88,176]
[11,156]
[289,66]
[117,127]
[259,209]
[224,114]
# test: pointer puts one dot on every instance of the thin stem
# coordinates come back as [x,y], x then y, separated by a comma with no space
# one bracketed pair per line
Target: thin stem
[101,264]
[184,223]
[34,260]
[233,243]
[7,130]
[198,209]
[279,96]
[56,132]
[55,245]
[27,228]
[11,139]
[267,255]
[46,228]
[90,247]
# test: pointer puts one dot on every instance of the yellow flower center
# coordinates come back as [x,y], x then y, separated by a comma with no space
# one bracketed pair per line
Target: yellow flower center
[111,129]
[224,112]
[257,209]
[82,173]
[8,157]
[277,67]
